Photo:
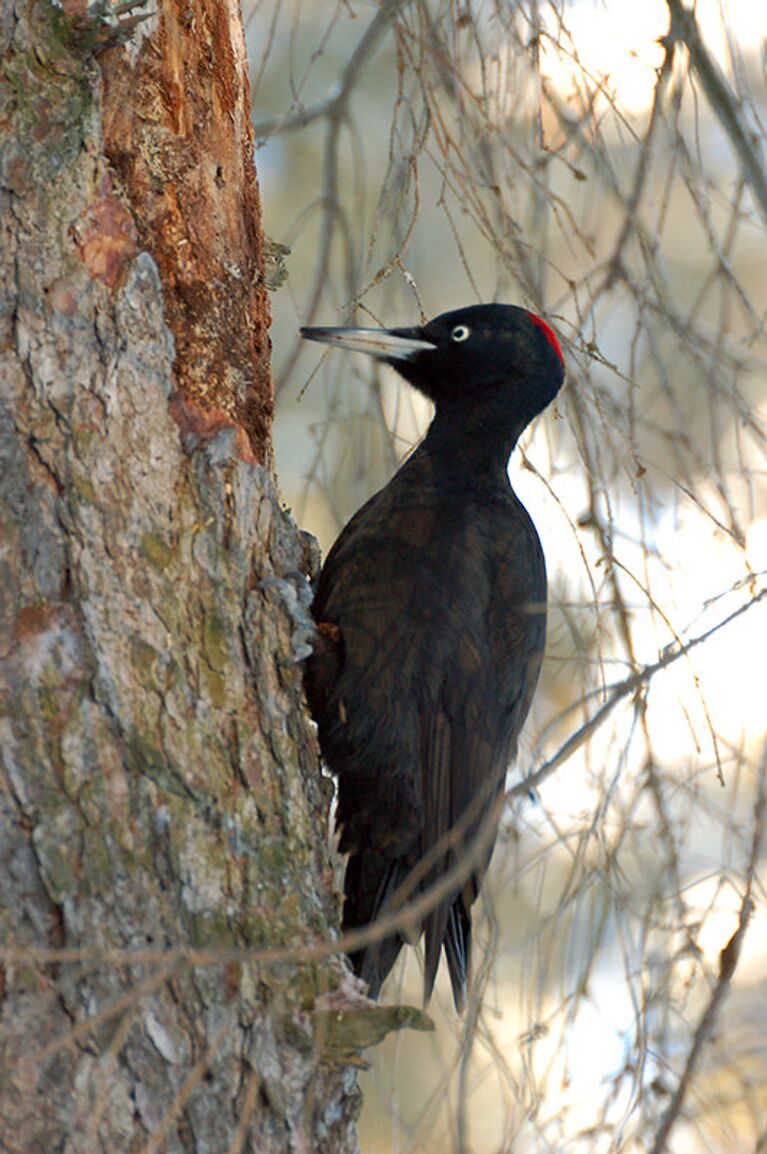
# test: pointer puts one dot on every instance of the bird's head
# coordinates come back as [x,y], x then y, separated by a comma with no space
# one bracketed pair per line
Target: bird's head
[502,357]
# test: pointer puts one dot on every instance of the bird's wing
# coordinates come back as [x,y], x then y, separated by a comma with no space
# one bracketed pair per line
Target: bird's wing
[383,587]
[468,741]
[420,698]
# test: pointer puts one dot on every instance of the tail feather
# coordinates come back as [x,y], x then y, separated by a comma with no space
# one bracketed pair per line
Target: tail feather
[458,950]
[371,880]
[435,928]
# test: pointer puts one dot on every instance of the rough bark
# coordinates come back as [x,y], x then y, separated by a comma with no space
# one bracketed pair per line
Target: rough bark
[159,789]
[178,134]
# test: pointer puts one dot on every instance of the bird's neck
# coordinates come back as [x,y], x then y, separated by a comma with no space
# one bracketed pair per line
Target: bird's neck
[472,443]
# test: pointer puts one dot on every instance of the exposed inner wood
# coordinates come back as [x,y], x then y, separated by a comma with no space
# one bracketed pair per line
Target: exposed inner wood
[178,134]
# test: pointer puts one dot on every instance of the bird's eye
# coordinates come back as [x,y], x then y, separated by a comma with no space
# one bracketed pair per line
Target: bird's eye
[460,333]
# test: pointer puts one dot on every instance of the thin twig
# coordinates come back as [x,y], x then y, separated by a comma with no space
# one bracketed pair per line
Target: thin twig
[335,103]
[728,963]
[724,103]
[619,692]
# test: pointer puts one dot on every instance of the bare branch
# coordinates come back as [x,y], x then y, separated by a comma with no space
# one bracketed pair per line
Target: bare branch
[684,29]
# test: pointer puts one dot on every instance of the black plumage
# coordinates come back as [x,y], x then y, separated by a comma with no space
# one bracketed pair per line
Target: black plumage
[431,613]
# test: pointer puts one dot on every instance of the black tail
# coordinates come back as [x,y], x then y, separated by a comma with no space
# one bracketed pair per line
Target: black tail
[372,881]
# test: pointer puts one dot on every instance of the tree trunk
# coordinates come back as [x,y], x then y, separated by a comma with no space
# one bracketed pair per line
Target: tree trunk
[162,817]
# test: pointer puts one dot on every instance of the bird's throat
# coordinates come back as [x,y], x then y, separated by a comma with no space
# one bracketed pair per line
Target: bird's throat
[471,445]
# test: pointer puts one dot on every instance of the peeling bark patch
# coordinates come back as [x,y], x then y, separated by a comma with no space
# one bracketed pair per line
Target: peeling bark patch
[73,8]
[105,236]
[199,427]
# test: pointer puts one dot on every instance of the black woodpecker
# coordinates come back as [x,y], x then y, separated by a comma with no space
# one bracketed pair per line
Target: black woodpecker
[431,618]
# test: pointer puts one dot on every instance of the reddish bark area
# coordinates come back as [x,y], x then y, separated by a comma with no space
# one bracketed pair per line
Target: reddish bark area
[178,135]
[105,236]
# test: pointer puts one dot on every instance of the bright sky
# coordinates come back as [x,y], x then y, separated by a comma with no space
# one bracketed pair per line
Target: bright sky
[619,40]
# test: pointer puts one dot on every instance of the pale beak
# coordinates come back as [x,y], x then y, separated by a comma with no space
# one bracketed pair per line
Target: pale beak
[385,344]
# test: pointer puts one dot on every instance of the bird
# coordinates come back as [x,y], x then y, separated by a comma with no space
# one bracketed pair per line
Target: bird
[430,612]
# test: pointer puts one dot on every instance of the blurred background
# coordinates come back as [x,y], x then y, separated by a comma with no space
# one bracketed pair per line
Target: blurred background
[604,164]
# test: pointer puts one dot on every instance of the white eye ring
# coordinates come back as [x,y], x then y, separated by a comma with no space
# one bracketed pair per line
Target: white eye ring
[460,333]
